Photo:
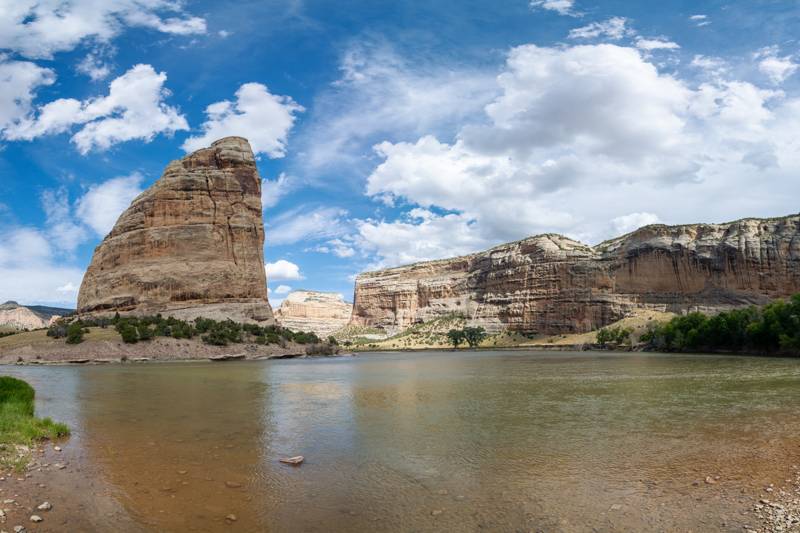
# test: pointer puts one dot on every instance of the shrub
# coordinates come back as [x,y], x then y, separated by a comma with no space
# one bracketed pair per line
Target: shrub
[456,337]
[57,330]
[614,336]
[145,332]
[75,333]
[128,332]
[474,336]
[322,348]
[216,337]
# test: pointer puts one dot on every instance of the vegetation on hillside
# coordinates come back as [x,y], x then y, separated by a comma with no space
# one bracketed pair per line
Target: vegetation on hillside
[18,425]
[214,332]
[473,336]
[773,328]
[614,336]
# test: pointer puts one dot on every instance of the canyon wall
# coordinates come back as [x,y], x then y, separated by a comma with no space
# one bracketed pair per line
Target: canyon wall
[320,312]
[191,244]
[550,284]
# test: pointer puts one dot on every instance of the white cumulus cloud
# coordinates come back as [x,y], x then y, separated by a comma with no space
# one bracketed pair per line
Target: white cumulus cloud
[31,271]
[133,109]
[282,289]
[264,118]
[40,28]
[102,204]
[587,141]
[19,81]
[777,68]
[283,270]
[94,66]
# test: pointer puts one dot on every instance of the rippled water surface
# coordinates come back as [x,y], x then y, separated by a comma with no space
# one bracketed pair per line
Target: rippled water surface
[438,441]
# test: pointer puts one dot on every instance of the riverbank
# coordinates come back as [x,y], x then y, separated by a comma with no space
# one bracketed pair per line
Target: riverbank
[432,335]
[105,345]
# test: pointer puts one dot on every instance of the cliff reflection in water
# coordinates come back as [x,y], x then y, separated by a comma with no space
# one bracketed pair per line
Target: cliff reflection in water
[431,441]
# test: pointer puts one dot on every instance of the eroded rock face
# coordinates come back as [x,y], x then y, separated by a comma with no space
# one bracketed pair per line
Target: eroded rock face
[320,312]
[21,317]
[551,284]
[191,244]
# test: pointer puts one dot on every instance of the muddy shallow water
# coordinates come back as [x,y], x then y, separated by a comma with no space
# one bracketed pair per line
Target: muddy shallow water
[437,441]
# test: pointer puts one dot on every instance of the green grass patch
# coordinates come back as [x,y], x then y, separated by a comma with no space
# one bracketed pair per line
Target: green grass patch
[19,428]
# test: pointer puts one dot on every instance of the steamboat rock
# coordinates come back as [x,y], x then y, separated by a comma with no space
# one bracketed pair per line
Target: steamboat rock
[550,284]
[191,245]
[320,312]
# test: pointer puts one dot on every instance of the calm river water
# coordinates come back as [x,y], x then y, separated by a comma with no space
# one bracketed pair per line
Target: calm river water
[437,441]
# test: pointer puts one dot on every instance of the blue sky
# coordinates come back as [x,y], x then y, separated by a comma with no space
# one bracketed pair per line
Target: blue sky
[391,132]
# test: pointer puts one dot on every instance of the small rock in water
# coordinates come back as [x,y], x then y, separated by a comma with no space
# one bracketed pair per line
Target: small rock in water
[36,518]
[57,448]
[710,480]
[45,506]
[18,529]
[231,518]
[60,466]
[7,502]
[233,484]
[436,512]
[295,461]
[182,472]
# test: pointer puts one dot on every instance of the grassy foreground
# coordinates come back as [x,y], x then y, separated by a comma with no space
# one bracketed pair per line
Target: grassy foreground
[19,428]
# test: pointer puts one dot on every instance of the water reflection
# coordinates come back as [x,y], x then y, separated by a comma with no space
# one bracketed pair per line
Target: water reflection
[432,442]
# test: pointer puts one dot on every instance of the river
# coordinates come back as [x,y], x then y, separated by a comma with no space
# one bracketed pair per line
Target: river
[428,441]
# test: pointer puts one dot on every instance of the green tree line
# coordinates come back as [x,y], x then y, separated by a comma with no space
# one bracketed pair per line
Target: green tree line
[773,329]
[215,332]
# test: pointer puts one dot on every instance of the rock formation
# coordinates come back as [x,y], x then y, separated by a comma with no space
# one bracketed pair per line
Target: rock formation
[192,244]
[550,284]
[21,317]
[320,312]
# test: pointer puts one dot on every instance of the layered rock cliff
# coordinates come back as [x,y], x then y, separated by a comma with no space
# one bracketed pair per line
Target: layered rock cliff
[320,312]
[551,284]
[21,317]
[191,244]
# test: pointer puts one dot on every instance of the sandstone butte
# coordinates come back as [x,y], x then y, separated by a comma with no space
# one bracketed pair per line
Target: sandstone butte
[320,312]
[190,245]
[550,284]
